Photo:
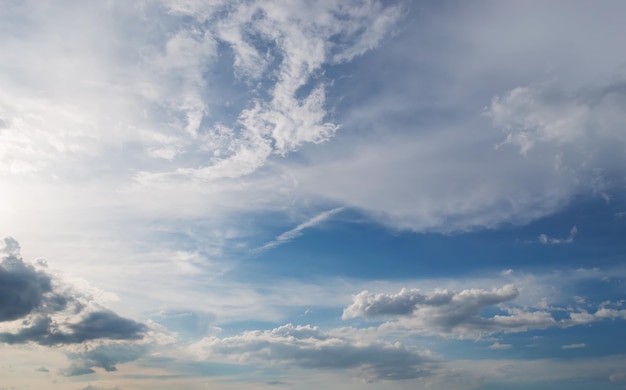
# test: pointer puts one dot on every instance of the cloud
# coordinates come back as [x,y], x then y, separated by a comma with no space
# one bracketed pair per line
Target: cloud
[210,93]
[280,52]
[103,356]
[500,346]
[617,377]
[603,312]
[308,347]
[547,114]
[574,346]
[43,330]
[28,295]
[447,312]
[529,117]
[297,231]
[22,288]
[466,314]
[533,372]
[40,308]
[545,239]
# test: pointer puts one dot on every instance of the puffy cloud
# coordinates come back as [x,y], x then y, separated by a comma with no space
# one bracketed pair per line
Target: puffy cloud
[602,313]
[37,307]
[446,312]
[23,289]
[408,302]
[462,314]
[308,347]
[28,295]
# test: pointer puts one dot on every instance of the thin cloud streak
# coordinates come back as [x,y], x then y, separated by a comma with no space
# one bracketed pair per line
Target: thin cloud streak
[297,231]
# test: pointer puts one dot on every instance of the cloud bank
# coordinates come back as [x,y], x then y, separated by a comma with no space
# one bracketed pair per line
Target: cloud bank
[308,347]
[463,315]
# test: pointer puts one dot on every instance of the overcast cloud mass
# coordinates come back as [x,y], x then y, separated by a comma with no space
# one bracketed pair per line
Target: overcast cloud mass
[302,194]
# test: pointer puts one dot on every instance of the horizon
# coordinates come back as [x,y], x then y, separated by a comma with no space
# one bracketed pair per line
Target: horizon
[269,194]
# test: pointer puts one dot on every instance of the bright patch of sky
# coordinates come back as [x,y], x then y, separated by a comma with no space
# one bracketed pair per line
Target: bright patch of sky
[357,194]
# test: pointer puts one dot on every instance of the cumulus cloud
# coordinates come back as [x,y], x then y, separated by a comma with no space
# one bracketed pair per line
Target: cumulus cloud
[462,314]
[447,312]
[28,296]
[38,308]
[545,239]
[23,289]
[308,347]
[44,330]
[602,313]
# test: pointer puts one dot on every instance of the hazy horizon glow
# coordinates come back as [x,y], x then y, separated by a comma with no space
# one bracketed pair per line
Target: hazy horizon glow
[299,194]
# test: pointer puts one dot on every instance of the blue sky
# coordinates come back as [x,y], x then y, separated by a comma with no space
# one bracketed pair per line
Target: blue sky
[303,194]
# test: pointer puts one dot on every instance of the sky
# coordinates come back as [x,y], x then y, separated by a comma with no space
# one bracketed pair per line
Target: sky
[305,194]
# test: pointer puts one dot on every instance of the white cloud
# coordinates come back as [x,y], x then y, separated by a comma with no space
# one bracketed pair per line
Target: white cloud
[297,231]
[448,313]
[574,346]
[308,347]
[158,85]
[459,314]
[529,118]
[500,346]
[545,239]
[278,51]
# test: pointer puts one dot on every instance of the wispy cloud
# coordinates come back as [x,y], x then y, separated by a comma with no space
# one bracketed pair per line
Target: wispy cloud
[574,346]
[297,231]
[500,346]
[545,239]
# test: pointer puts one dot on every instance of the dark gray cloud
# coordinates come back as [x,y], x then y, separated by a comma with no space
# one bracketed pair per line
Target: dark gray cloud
[308,347]
[29,294]
[37,307]
[97,325]
[105,357]
[106,324]
[22,288]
